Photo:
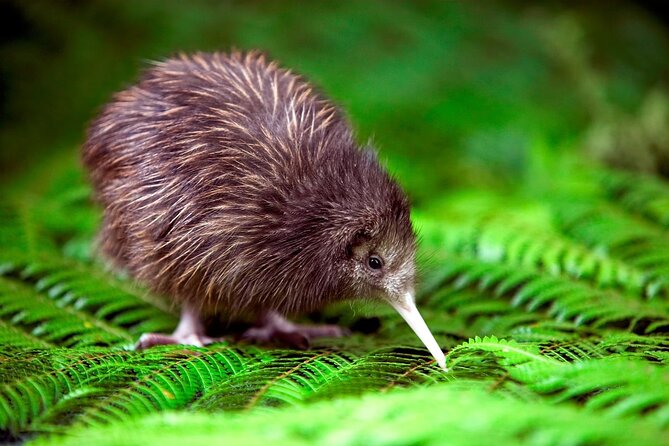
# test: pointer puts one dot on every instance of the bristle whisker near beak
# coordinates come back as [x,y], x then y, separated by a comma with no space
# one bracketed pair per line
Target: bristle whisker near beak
[407,309]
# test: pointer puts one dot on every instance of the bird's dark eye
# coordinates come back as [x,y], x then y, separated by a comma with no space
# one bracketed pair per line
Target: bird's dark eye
[375,262]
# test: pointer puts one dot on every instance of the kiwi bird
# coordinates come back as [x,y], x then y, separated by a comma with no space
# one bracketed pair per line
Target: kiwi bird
[231,186]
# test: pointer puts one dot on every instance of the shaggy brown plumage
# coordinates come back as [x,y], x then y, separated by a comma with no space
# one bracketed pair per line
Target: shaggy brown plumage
[233,187]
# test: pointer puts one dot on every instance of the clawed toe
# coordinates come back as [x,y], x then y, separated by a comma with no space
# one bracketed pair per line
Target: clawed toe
[190,331]
[268,335]
[272,328]
[324,331]
[277,329]
[148,340]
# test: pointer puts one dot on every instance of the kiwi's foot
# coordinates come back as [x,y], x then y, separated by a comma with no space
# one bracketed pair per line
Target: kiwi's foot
[148,340]
[189,332]
[275,328]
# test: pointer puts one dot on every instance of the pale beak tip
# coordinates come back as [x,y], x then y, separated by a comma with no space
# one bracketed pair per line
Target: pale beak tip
[409,312]
[441,361]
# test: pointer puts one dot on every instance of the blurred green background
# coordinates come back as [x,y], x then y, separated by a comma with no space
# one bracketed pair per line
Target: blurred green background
[500,94]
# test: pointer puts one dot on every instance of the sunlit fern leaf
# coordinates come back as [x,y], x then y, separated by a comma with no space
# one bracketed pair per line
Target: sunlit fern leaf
[496,240]
[108,384]
[15,336]
[66,409]
[641,194]
[381,370]
[18,362]
[510,352]
[576,349]
[651,348]
[26,396]
[21,234]
[428,416]
[472,313]
[82,288]
[565,305]
[293,377]
[294,385]
[556,297]
[567,342]
[616,386]
[280,377]
[171,380]
[628,237]
[42,318]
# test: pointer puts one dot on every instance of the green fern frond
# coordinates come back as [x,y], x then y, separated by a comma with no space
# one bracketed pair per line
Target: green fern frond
[495,240]
[544,279]
[625,236]
[510,352]
[41,317]
[651,348]
[92,387]
[556,321]
[615,385]
[441,414]
[292,378]
[554,297]
[21,234]
[11,335]
[76,288]
[27,394]
[157,384]
[640,194]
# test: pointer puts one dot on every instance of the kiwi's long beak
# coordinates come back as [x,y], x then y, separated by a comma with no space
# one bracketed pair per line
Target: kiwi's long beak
[407,309]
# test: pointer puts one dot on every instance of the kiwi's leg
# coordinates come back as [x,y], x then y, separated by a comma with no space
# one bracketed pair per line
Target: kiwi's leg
[273,327]
[190,331]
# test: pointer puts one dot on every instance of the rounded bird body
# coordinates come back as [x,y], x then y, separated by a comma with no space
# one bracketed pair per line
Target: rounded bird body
[233,187]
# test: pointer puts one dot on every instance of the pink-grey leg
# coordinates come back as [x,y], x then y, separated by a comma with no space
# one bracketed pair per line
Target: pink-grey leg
[273,327]
[190,331]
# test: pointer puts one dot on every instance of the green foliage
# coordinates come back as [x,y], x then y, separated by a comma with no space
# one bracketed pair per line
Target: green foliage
[454,417]
[549,295]
[649,197]
[550,319]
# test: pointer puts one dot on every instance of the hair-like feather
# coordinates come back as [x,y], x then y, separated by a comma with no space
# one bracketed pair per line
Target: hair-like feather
[229,183]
